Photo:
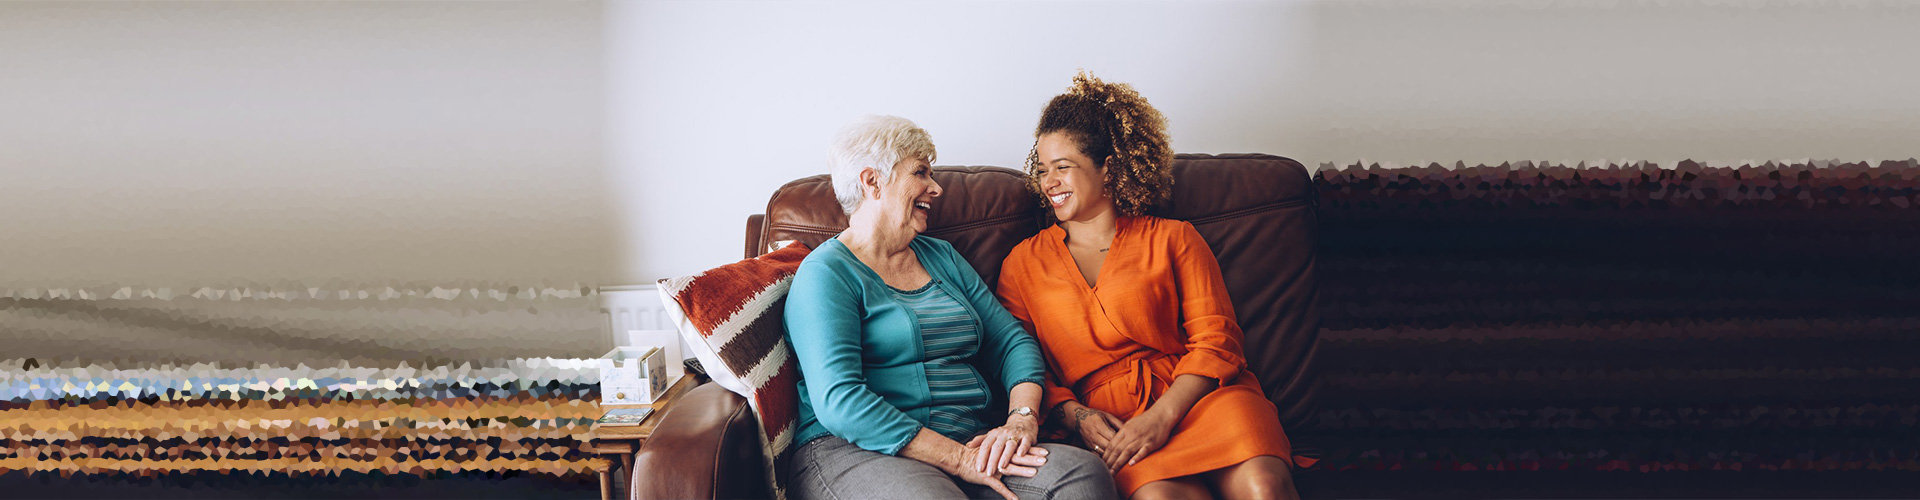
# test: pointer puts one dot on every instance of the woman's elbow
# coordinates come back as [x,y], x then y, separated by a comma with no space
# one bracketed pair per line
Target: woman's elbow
[831,407]
[835,423]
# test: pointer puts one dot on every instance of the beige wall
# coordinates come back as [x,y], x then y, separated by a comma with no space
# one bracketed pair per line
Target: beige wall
[281,144]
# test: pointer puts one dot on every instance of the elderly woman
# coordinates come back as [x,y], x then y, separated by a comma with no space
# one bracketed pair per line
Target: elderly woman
[1133,313]
[898,339]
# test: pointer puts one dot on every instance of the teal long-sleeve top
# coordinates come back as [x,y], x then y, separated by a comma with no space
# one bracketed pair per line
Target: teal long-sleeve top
[862,361]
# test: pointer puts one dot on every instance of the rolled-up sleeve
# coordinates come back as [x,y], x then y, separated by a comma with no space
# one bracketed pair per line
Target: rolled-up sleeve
[1213,335]
[823,320]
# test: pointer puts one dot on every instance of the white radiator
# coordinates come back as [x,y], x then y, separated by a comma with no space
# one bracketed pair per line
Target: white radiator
[633,307]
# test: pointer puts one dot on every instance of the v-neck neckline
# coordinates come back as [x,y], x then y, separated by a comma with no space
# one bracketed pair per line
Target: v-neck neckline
[1100,275]
[918,256]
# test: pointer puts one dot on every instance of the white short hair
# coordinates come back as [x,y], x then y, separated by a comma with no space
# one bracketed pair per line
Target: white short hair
[877,142]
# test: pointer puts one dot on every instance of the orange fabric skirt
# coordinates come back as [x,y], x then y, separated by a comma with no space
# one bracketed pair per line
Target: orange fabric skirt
[1230,425]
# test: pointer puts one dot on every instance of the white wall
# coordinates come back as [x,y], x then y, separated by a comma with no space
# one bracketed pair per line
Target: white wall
[277,144]
[235,144]
[1491,81]
[714,104]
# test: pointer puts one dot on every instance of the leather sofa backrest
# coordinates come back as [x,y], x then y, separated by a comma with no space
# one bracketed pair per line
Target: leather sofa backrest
[983,212]
[1256,212]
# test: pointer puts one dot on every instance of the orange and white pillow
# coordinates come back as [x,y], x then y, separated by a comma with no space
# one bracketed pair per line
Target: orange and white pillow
[731,317]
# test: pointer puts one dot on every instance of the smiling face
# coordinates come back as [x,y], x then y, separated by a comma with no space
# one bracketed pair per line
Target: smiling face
[1072,183]
[906,199]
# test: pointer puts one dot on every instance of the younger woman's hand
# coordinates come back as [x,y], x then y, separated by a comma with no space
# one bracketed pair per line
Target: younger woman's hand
[1095,427]
[1136,439]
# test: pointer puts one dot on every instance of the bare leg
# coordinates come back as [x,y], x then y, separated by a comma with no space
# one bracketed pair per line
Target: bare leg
[1179,488]
[1263,477]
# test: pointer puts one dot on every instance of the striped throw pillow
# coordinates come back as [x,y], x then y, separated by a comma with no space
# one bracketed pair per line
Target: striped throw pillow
[731,318]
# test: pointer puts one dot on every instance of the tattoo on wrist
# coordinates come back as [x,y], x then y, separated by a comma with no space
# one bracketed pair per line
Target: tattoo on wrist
[1081,414]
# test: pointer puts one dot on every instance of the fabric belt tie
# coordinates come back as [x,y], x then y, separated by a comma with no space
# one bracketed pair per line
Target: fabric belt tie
[1139,372]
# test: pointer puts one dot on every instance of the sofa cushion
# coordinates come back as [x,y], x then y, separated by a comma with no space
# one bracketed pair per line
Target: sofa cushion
[731,319]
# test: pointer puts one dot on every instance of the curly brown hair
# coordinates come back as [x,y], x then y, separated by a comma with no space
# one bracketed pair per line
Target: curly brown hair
[1114,126]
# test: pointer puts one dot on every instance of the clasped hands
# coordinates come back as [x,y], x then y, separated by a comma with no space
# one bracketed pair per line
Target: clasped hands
[1006,450]
[1009,449]
[1120,443]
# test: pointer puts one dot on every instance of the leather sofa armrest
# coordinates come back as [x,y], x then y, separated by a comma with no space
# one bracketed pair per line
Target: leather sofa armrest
[756,226]
[705,447]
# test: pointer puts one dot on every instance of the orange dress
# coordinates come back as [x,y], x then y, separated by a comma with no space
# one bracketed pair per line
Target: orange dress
[1159,310]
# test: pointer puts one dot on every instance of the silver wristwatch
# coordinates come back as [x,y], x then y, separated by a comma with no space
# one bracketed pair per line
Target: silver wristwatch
[1024,411]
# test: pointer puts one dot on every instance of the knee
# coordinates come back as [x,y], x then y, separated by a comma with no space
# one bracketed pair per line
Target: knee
[1268,490]
[1172,489]
[1078,474]
[1152,492]
[1076,460]
[1272,484]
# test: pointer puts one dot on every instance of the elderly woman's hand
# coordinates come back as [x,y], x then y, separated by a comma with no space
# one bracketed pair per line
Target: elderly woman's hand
[1025,465]
[1002,444]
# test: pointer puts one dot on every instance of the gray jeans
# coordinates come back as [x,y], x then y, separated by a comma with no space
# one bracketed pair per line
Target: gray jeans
[831,468]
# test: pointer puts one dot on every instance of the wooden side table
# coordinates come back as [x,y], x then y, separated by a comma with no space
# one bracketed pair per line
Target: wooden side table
[625,440]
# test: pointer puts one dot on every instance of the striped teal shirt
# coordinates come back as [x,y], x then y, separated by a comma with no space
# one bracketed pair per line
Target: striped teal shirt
[868,370]
[958,394]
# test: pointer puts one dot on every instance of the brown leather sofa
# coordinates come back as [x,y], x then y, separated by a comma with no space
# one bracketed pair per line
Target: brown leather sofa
[1257,212]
